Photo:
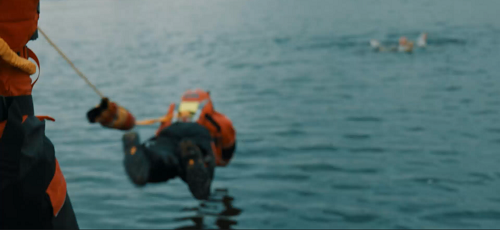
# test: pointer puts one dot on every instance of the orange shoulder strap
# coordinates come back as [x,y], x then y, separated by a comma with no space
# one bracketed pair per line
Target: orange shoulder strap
[31,54]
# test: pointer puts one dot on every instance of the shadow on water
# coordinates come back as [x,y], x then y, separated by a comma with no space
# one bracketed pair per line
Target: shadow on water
[215,213]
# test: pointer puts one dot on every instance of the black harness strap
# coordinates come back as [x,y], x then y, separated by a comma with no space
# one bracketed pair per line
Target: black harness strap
[217,139]
[214,123]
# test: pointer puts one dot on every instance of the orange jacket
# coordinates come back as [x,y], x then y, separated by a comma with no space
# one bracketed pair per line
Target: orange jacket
[219,126]
[18,23]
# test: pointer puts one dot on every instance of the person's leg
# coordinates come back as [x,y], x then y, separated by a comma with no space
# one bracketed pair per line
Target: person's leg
[180,150]
[194,149]
[196,173]
[137,164]
[66,218]
[151,162]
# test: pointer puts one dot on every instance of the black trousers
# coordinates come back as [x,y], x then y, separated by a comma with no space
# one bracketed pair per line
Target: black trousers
[158,159]
[27,168]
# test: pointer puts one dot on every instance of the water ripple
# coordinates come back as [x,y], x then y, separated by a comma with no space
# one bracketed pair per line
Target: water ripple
[365,119]
[321,167]
[352,217]
[330,134]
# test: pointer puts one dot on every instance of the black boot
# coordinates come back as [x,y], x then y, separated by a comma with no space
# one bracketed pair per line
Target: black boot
[136,163]
[196,174]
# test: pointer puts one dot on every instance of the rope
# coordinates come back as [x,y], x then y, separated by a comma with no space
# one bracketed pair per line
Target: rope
[143,122]
[152,121]
[71,64]
[12,59]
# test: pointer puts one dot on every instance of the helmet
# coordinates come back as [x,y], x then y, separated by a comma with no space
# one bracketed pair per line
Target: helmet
[193,104]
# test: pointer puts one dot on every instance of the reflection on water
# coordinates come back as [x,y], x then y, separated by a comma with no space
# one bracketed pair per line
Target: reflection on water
[216,212]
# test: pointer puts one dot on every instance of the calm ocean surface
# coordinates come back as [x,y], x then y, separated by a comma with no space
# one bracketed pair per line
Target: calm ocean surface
[330,134]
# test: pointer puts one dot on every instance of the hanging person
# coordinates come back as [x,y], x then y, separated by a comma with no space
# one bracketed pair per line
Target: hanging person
[192,140]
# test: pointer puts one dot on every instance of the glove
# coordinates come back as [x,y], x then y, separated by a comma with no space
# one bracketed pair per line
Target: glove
[111,115]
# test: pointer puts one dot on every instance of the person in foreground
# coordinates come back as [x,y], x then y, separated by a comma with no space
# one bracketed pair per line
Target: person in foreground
[192,140]
[33,192]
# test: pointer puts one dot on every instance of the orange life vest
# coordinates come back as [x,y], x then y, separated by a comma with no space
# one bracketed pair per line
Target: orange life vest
[219,126]
[18,24]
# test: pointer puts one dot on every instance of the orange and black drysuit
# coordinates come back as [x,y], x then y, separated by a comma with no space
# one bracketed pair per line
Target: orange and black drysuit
[32,187]
[195,120]
[223,135]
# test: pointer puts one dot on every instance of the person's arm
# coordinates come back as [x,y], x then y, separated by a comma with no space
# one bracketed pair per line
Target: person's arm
[228,139]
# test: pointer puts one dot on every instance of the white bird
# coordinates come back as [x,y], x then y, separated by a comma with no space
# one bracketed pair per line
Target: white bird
[422,40]
[374,44]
